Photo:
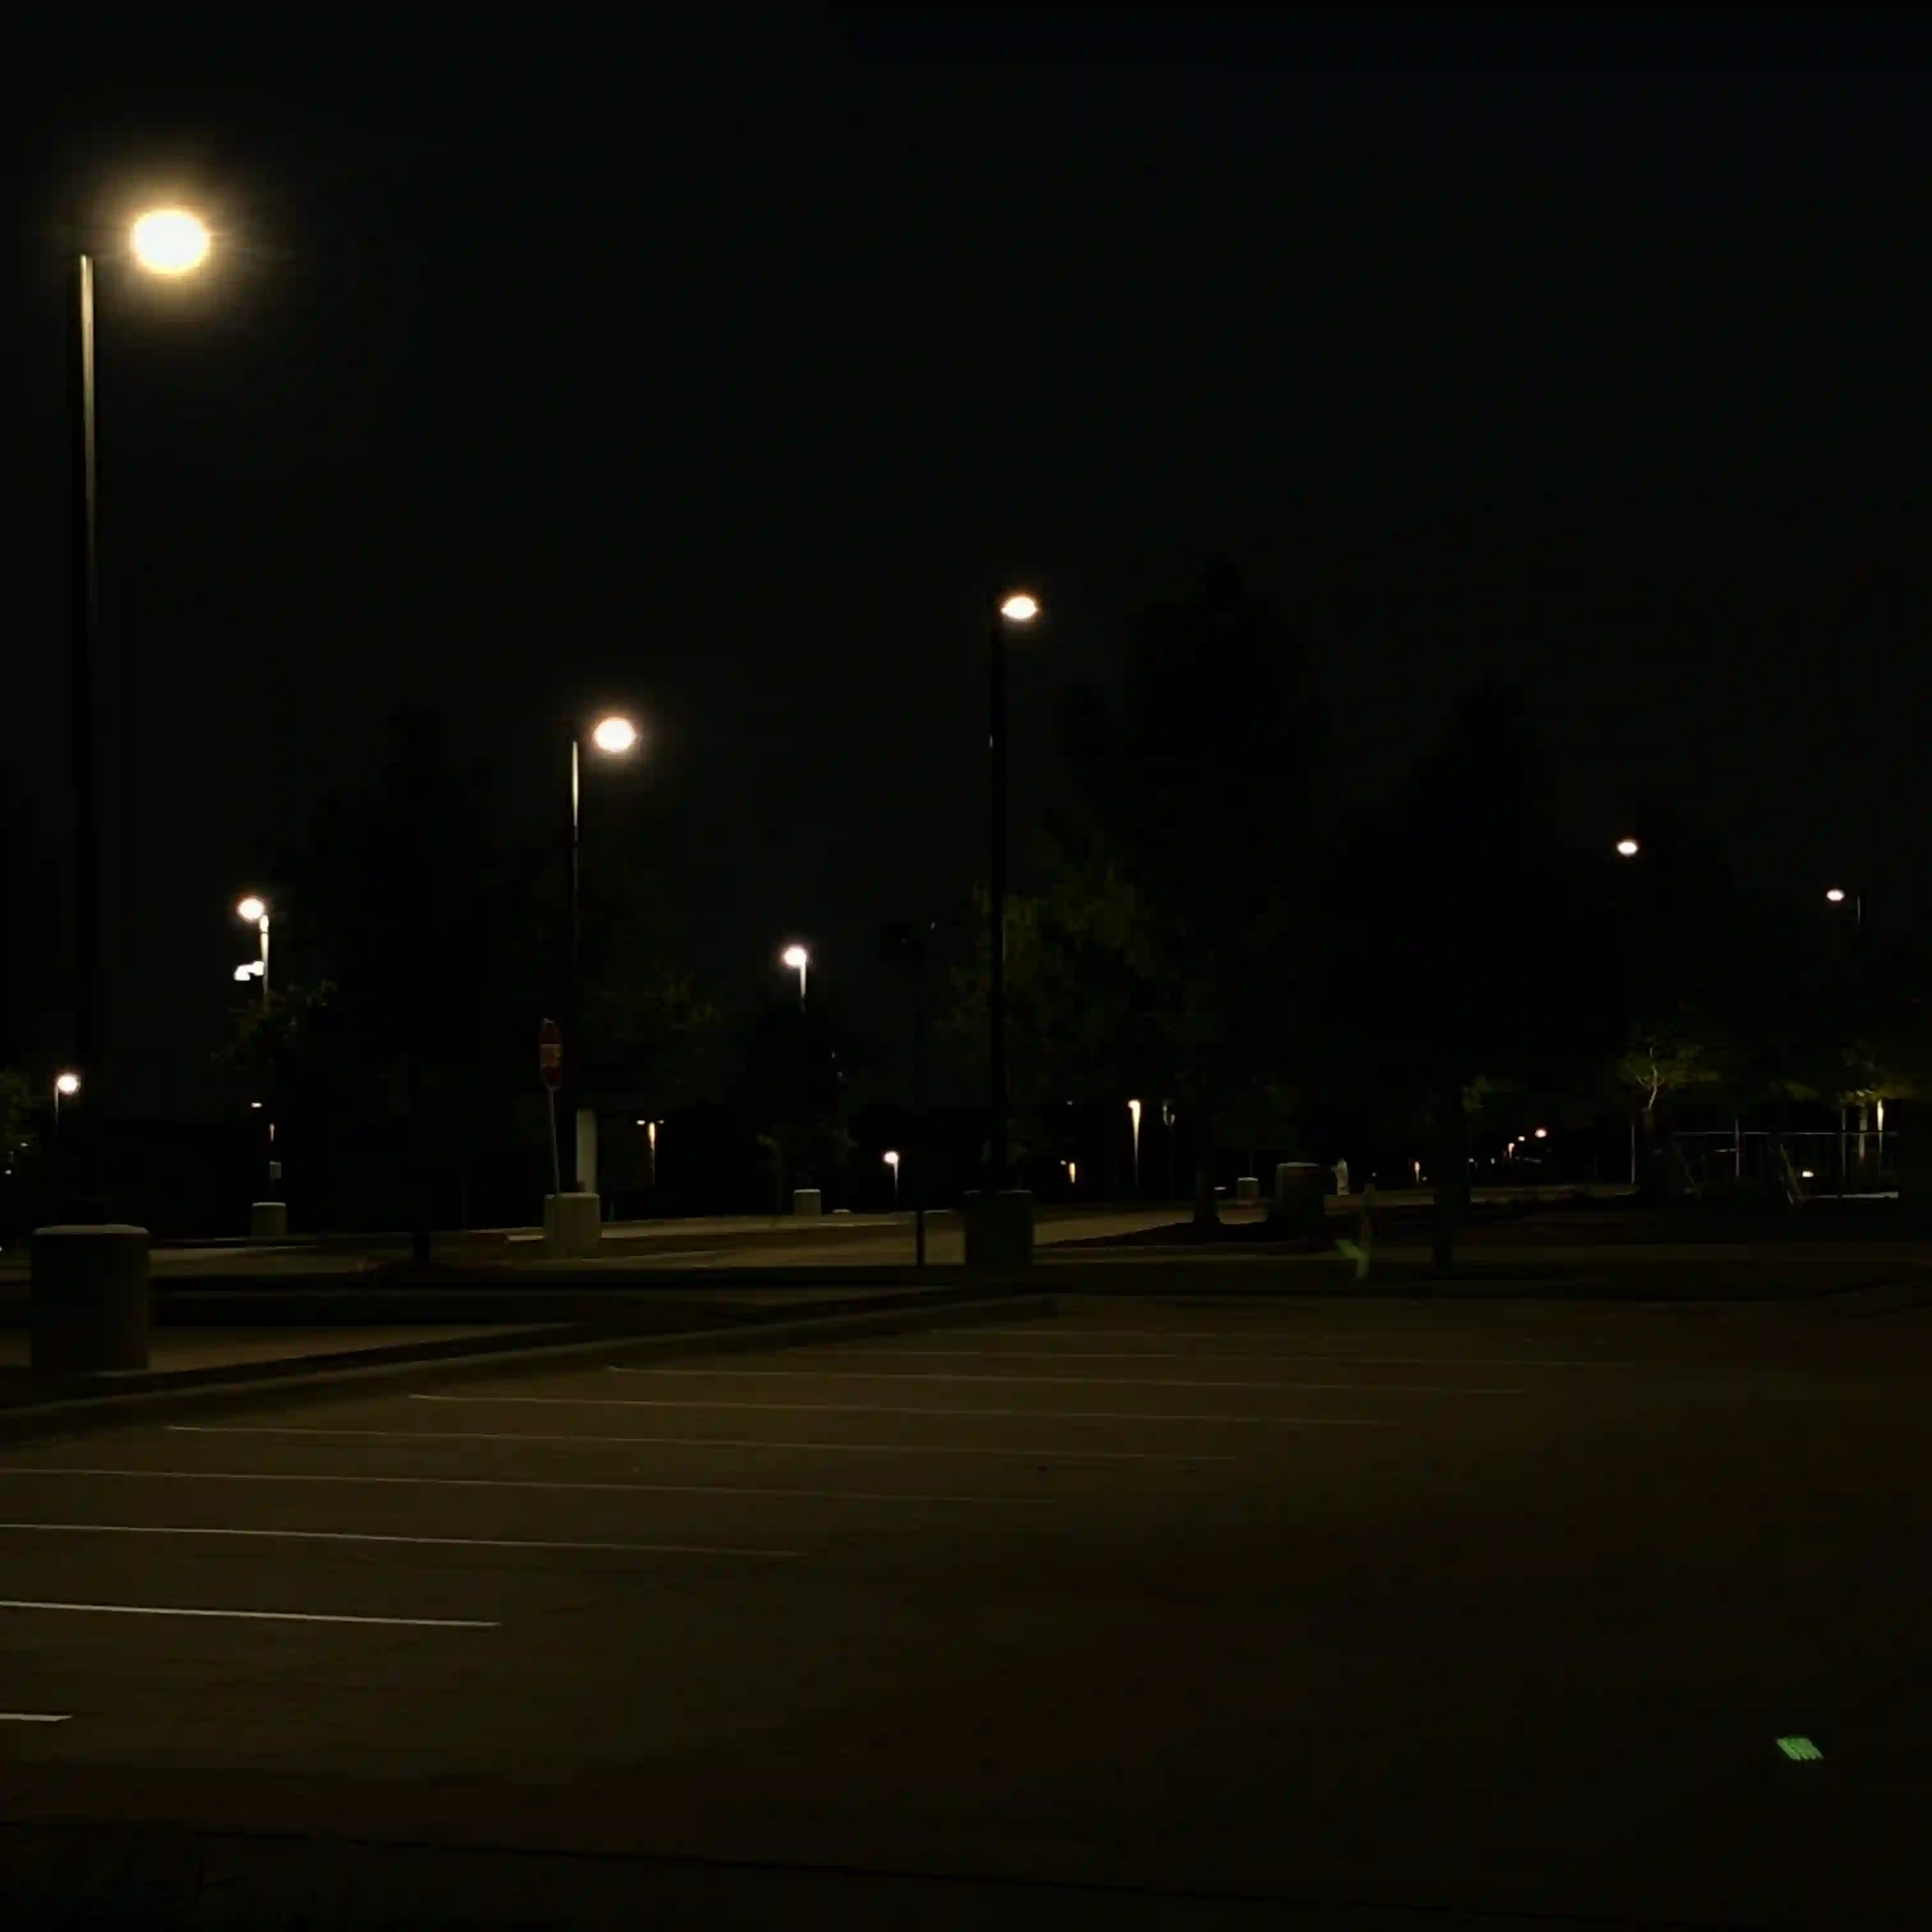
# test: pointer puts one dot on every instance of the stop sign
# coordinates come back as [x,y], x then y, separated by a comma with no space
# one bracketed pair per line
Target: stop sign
[549,1054]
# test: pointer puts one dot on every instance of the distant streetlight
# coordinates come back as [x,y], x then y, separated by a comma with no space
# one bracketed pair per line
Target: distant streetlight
[164,241]
[1016,608]
[891,1159]
[1837,896]
[66,1086]
[1543,1133]
[170,241]
[245,972]
[797,959]
[254,910]
[1134,1115]
[613,735]
[1628,848]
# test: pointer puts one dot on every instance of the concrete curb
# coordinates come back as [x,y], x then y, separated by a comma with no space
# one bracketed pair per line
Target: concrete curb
[244,1386]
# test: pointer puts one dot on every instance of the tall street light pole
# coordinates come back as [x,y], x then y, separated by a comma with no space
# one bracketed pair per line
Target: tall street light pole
[613,737]
[1018,608]
[797,959]
[165,241]
[253,910]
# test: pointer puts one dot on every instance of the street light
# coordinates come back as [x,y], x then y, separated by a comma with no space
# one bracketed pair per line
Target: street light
[797,959]
[66,1086]
[1837,896]
[1628,848]
[254,910]
[1134,1115]
[1016,608]
[165,241]
[891,1159]
[170,241]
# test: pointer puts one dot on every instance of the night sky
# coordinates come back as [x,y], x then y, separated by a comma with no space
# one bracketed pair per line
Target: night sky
[721,379]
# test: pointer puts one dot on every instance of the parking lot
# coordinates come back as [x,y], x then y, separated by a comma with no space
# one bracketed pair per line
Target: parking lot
[1489,1606]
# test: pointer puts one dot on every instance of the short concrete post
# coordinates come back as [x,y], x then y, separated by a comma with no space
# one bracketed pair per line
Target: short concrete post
[88,1299]
[999,1229]
[1300,1198]
[573,1226]
[268,1220]
[807,1201]
[1247,1187]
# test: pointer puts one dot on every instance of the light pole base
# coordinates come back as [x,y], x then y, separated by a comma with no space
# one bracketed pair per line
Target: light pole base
[573,1226]
[1299,1208]
[808,1200]
[268,1220]
[89,1299]
[999,1229]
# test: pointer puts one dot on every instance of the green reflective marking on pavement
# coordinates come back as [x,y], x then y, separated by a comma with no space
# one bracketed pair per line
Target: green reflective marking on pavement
[1802,1749]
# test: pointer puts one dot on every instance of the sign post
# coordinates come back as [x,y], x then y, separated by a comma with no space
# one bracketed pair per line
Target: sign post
[549,1062]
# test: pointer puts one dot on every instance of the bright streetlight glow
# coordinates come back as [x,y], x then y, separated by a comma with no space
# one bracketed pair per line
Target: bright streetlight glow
[1628,848]
[253,970]
[614,735]
[252,909]
[796,957]
[171,241]
[1019,608]
[1837,895]
[67,1083]
[890,1158]
[1543,1133]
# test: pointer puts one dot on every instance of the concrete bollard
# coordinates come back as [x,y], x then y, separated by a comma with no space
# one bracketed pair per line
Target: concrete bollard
[1300,1195]
[999,1229]
[807,1201]
[268,1220]
[1247,1187]
[573,1226]
[88,1299]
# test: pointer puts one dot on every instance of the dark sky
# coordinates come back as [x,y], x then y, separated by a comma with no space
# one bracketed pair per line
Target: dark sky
[721,378]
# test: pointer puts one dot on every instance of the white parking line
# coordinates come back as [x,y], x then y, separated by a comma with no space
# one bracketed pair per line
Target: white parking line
[1216,1355]
[244,1616]
[1078,1331]
[1064,1381]
[359,1536]
[533,1483]
[878,1409]
[704,1442]
[36,1716]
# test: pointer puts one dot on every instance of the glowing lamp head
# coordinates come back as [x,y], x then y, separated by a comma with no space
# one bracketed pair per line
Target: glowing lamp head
[795,957]
[67,1084]
[254,910]
[1628,848]
[614,735]
[170,241]
[1543,1133]
[890,1157]
[1837,895]
[1019,608]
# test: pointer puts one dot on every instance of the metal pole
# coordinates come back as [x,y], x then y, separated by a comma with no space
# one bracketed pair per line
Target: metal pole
[573,1016]
[265,962]
[996,745]
[84,614]
[920,1136]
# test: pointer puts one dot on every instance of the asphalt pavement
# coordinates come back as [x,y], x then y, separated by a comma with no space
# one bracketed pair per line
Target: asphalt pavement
[1176,1611]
